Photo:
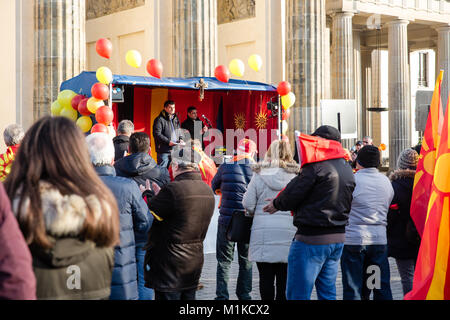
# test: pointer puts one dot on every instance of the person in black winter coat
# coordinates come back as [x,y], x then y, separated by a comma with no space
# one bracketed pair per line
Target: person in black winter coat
[194,125]
[134,217]
[231,181]
[183,211]
[167,133]
[403,238]
[124,130]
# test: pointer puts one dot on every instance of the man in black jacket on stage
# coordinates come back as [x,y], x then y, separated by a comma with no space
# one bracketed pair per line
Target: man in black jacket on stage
[194,125]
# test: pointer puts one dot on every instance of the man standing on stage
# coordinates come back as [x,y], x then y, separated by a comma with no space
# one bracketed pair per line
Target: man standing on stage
[166,133]
[194,125]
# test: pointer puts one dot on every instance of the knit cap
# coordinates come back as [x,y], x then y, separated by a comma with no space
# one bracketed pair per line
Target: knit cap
[369,157]
[408,160]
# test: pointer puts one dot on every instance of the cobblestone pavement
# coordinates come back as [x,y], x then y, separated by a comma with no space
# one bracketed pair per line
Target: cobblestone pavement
[208,279]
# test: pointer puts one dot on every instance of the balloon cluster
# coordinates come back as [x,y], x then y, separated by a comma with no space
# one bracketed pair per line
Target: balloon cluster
[287,101]
[237,68]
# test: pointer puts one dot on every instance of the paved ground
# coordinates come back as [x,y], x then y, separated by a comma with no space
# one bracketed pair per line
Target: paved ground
[208,279]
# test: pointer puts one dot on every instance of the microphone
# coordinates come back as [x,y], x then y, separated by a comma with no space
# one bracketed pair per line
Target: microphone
[207,121]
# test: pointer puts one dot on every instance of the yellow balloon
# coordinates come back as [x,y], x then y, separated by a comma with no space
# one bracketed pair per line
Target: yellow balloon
[104,75]
[93,104]
[65,98]
[255,62]
[84,123]
[133,58]
[288,100]
[70,113]
[237,67]
[56,108]
[285,126]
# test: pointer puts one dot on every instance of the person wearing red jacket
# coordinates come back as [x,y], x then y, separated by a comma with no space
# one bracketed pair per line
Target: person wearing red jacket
[17,280]
[12,135]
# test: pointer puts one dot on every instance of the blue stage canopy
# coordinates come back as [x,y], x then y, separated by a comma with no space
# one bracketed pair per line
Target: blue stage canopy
[82,83]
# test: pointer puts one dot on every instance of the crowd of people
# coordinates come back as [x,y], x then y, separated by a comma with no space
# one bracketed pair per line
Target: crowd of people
[90,217]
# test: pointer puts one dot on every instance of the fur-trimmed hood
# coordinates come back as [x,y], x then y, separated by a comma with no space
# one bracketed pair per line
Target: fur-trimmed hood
[288,167]
[402,174]
[64,215]
[274,176]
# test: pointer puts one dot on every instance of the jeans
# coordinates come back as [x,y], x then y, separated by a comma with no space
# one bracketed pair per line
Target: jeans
[179,295]
[164,159]
[358,274]
[144,292]
[406,269]
[268,274]
[310,265]
[225,255]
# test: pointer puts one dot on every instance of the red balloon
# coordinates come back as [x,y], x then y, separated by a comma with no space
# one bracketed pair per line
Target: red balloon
[286,114]
[100,91]
[104,115]
[222,73]
[284,88]
[82,107]
[104,48]
[99,127]
[76,101]
[155,68]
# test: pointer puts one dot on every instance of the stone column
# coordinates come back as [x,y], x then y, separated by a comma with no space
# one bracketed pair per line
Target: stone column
[375,117]
[327,59]
[305,28]
[60,48]
[366,90]
[357,80]
[399,90]
[443,61]
[194,38]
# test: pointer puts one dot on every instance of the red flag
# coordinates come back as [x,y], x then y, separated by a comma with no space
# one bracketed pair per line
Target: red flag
[427,159]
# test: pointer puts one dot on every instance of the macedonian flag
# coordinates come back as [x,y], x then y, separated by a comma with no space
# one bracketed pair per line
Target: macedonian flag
[432,273]
[427,159]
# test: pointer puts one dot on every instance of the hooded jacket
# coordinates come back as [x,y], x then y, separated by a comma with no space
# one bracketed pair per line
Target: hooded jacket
[134,217]
[121,144]
[271,234]
[321,195]
[403,238]
[73,269]
[162,131]
[140,167]
[174,252]
[17,281]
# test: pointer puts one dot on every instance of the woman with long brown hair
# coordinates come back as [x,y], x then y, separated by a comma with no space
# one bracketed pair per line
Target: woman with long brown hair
[68,217]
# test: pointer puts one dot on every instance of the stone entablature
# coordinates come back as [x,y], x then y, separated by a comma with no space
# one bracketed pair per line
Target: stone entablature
[233,10]
[100,8]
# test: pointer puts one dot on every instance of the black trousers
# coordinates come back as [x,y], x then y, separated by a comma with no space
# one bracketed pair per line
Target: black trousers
[179,295]
[269,273]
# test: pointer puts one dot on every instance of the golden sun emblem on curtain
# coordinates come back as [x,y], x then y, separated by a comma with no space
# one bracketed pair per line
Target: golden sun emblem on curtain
[239,121]
[261,120]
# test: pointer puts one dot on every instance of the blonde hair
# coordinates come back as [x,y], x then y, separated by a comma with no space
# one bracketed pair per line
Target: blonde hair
[279,155]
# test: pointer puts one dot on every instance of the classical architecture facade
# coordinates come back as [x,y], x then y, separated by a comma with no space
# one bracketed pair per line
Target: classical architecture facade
[378,52]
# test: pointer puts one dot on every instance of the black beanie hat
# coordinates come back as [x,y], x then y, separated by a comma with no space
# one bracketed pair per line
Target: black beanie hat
[369,157]
[328,132]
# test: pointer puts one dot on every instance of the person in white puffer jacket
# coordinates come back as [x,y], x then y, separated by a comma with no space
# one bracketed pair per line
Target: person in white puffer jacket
[271,234]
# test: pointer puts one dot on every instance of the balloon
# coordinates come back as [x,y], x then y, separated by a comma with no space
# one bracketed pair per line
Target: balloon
[104,115]
[237,67]
[93,104]
[82,107]
[255,62]
[70,113]
[104,75]
[155,68]
[286,114]
[284,88]
[84,123]
[104,48]
[99,127]
[382,147]
[76,101]
[65,98]
[222,73]
[288,100]
[56,108]
[285,126]
[133,58]
[100,91]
